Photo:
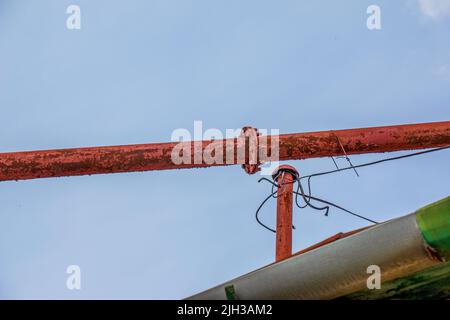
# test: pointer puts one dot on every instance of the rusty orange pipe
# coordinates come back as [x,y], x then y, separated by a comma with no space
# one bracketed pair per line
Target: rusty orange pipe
[157,156]
[284,176]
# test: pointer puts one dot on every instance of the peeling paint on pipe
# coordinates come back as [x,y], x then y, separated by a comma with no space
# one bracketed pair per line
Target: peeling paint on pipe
[157,156]
[284,176]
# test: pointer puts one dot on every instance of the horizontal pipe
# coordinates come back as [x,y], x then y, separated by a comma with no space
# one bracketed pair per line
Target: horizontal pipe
[364,140]
[157,156]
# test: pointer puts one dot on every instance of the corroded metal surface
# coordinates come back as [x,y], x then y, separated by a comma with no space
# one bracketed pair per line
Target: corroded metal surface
[285,177]
[365,140]
[157,156]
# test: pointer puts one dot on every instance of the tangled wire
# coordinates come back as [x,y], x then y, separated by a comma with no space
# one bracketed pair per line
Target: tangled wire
[307,196]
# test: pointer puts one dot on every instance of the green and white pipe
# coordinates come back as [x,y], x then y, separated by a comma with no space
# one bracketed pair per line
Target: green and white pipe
[400,247]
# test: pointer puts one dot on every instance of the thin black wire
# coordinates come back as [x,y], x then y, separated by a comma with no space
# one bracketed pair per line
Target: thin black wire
[374,162]
[308,197]
[343,209]
[316,199]
[300,191]
[307,202]
[346,156]
[257,213]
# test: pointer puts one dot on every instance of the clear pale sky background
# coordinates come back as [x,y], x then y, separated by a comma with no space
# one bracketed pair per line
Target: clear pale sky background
[137,70]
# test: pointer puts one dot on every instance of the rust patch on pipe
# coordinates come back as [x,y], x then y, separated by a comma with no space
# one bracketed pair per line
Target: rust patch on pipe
[157,156]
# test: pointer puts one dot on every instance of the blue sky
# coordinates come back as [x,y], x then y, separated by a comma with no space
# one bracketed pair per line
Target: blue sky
[137,70]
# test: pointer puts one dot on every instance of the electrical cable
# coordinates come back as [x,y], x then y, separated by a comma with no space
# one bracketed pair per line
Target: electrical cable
[308,197]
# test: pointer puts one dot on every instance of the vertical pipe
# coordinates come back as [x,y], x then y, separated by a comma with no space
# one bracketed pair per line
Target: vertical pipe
[284,176]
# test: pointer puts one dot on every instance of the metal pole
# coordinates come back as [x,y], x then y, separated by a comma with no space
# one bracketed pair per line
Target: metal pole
[157,156]
[284,176]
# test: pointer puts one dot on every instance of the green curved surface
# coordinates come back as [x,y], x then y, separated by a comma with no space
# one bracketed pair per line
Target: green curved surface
[430,284]
[434,224]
